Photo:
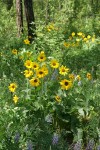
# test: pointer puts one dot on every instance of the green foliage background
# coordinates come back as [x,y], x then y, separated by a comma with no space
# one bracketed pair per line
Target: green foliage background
[76,118]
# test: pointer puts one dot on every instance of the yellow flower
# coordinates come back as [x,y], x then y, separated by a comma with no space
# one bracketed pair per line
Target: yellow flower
[88,37]
[34,82]
[83,36]
[28,73]
[89,76]
[51,26]
[85,39]
[73,33]
[14,51]
[54,63]
[35,65]
[79,33]
[15,99]
[93,39]
[63,70]
[65,84]
[58,98]
[27,42]
[48,29]
[71,76]
[40,73]
[28,64]
[66,44]
[45,69]
[77,40]
[41,56]
[78,77]
[12,87]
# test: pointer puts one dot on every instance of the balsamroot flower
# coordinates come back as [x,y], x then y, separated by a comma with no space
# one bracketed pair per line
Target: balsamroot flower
[28,64]
[79,33]
[28,73]
[15,99]
[14,51]
[65,84]
[40,73]
[78,77]
[77,40]
[26,41]
[85,39]
[12,87]
[34,82]
[35,65]
[54,63]
[58,98]
[73,33]
[71,77]
[88,37]
[41,56]
[66,44]
[45,69]
[89,76]
[63,70]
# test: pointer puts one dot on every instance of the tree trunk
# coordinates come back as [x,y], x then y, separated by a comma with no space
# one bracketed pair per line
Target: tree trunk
[30,19]
[9,4]
[19,11]
[92,2]
[97,6]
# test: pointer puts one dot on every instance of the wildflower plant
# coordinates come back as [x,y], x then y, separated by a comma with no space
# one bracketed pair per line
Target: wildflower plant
[52,88]
[47,95]
[51,97]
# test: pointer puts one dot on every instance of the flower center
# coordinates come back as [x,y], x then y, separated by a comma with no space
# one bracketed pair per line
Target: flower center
[28,64]
[35,80]
[54,64]
[41,57]
[63,70]
[66,83]
[34,66]
[13,86]
[40,72]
